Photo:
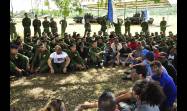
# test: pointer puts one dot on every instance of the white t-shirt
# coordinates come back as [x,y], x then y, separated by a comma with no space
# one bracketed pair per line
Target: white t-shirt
[119,46]
[58,58]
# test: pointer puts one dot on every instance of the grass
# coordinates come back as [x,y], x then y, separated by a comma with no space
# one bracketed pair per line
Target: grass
[32,93]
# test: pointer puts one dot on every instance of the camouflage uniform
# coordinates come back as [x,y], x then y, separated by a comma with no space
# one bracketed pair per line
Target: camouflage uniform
[95,60]
[40,60]
[46,25]
[63,27]
[53,26]
[13,32]
[36,24]
[127,27]
[163,26]
[26,22]
[75,59]
[145,27]
[87,27]
[103,25]
[118,28]
[20,61]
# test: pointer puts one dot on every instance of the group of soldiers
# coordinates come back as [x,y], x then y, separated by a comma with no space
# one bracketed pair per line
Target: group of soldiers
[26,23]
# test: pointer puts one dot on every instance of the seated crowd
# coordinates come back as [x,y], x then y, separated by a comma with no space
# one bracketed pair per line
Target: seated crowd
[152,58]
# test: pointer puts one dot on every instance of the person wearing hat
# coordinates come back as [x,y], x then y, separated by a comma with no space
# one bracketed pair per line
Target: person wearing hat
[76,62]
[63,23]
[26,22]
[19,63]
[58,61]
[53,26]
[163,24]
[39,61]
[46,25]
[13,33]
[36,24]
[127,26]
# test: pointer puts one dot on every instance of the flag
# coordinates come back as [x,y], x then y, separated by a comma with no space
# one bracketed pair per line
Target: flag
[110,11]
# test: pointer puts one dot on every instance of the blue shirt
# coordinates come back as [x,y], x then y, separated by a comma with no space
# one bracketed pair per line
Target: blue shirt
[144,52]
[148,67]
[169,87]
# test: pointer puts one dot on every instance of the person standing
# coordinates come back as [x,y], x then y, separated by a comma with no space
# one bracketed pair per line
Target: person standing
[13,32]
[118,27]
[163,24]
[36,24]
[145,27]
[46,25]
[53,26]
[26,22]
[127,27]
[63,23]
[87,27]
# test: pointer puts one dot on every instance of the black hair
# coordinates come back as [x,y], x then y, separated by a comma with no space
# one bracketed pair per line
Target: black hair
[150,56]
[141,70]
[157,63]
[107,101]
[149,91]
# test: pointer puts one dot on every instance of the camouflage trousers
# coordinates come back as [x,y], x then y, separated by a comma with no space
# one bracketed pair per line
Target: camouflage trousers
[37,30]
[27,31]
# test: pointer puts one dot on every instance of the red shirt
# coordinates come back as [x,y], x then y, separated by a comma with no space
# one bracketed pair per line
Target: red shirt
[133,45]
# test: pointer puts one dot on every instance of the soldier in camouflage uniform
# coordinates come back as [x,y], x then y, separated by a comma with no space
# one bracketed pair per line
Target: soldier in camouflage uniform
[163,24]
[87,27]
[13,32]
[95,55]
[76,63]
[127,27]
[63,23]
[145,27]
[19,64]
[26,22]
[36,24]
[53,26]
[39,62]
[46,25]
[118,27]
[103,24]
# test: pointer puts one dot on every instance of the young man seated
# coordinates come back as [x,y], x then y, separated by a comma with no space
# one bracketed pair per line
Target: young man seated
[19,63]
[167,83]
[39,62]
[108,55]
[123,53]
[116,47]
[58,61]
[95,55]
[76,62]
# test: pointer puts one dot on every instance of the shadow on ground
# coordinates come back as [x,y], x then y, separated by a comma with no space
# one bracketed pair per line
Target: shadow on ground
[32,93]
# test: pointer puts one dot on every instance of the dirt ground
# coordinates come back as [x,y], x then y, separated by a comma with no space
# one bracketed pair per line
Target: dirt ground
[32,93]
[79,28]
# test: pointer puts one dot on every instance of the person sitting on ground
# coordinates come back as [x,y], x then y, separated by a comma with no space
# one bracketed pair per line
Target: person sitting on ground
[58,61]
[39,62]
[95,55]
[101,44]
[55,105]
[167,84]
[123,53]
[106,102]
[148,94]
[146,62]
[19,63]
[116,47]
[76,62]
[108,55]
